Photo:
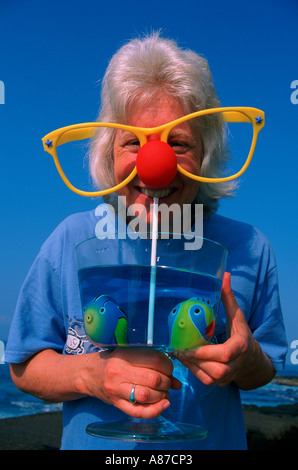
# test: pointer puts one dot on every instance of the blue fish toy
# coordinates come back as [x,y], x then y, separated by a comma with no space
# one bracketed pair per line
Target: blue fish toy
[191,323]
[105,322]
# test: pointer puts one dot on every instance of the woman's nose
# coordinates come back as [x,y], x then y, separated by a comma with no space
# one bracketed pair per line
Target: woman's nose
[156,164]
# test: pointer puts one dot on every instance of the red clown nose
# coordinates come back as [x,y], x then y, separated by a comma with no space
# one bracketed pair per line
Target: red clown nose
[156,164]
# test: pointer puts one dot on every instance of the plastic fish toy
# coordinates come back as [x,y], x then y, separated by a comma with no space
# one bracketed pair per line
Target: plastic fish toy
[105,322]
[191,323]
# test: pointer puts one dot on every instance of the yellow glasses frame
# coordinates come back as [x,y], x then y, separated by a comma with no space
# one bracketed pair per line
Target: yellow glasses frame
[61,136]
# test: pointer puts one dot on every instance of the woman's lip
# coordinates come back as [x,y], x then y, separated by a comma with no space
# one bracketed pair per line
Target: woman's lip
[155,192]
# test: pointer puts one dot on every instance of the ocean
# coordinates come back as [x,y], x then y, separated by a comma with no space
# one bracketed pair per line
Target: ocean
[278,392]
[14,403]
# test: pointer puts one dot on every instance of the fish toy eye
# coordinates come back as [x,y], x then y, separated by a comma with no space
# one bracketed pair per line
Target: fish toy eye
[196,309]
[102,310]
[89,317]
[175,310]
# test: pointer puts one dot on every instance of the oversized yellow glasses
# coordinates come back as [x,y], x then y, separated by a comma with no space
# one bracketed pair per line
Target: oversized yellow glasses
[158,160]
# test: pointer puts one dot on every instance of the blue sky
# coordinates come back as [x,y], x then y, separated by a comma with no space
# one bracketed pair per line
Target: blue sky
[52,57]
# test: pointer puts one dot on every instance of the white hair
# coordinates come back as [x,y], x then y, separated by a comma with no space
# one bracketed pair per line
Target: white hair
[140,69]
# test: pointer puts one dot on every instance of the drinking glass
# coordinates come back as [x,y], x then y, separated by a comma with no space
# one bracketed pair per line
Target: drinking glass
[168,305]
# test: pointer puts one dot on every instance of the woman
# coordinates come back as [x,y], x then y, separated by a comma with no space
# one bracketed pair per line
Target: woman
[148,83]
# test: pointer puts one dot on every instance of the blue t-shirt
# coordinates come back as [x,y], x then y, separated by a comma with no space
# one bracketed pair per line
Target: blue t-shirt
[49,316]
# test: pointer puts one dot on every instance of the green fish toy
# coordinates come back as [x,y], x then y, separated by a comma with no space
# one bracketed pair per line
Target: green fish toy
[105,322]
[191,323]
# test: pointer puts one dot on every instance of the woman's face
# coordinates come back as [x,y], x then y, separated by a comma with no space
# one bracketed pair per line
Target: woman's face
[188,148]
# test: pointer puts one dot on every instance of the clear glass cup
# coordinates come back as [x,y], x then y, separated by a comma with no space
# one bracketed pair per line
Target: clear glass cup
[168,305]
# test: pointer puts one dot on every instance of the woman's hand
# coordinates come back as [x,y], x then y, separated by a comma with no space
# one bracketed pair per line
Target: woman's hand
[110,376]
[240,359]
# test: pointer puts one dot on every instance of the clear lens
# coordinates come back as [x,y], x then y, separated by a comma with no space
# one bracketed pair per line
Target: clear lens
[74,161]
[238,143]
[225,145]
[78,145]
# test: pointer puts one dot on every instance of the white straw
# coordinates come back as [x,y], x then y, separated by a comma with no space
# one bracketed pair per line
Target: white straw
[152,273]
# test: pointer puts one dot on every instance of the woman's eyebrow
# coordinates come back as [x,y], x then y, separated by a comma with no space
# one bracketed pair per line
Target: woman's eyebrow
[182,133]
[179,132]
[123,134]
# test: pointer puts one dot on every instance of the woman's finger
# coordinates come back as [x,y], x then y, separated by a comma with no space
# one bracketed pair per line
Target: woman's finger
[143,395]
[145,411]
